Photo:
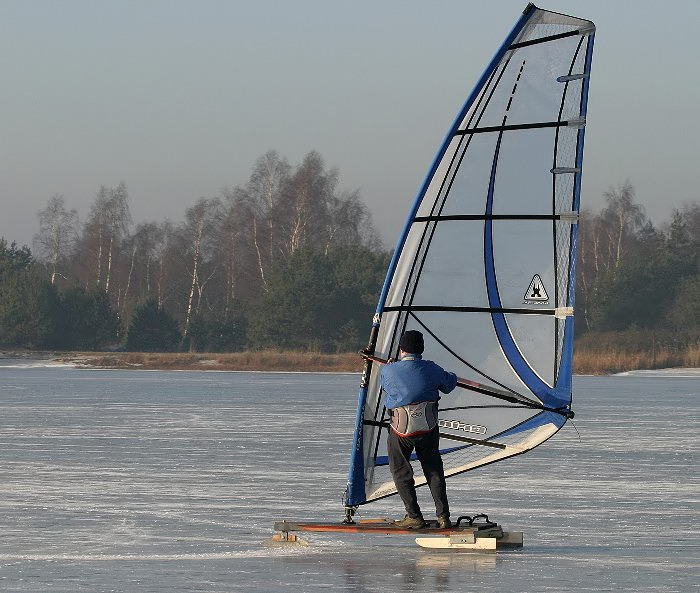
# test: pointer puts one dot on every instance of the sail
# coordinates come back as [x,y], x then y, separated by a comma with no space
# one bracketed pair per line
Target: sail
[485,266]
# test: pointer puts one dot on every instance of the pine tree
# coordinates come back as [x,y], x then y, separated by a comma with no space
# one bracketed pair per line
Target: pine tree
[152,329]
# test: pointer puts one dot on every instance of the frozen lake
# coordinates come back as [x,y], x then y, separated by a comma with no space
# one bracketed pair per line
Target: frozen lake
[170,481]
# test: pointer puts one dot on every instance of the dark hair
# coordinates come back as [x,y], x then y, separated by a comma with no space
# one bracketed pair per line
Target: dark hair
[412,341]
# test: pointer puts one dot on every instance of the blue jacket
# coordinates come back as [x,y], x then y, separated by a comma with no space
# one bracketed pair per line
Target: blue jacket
[412,379]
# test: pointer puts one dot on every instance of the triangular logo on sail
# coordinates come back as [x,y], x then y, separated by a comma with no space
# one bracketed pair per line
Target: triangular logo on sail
[536,293]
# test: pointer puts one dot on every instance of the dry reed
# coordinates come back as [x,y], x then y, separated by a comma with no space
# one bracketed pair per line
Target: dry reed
[616,360]
[254,360]
[590,358]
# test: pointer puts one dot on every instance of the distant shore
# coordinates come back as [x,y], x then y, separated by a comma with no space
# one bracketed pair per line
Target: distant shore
[585,362]
[264,360]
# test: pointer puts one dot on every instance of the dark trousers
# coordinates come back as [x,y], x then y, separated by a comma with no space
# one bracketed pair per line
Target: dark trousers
[428,453]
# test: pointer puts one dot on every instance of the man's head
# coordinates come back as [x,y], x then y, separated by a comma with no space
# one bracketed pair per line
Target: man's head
[412,342]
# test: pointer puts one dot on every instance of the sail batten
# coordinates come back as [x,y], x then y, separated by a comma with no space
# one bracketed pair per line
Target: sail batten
[516,127]
[485,265]
[532,42]
[438,218]
[445,308]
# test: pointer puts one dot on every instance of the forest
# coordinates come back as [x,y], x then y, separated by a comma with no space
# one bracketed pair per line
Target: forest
[290,261]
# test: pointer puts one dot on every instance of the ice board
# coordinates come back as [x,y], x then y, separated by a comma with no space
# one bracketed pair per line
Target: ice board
[483,536]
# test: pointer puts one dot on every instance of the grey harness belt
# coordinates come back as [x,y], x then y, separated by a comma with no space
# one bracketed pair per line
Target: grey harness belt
[414,419]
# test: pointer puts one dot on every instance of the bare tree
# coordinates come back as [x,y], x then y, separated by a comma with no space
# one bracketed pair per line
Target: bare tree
[163,255]
[349,223]
[118,221]
[303,211]
[242,263]
[107,224]
[142,248]
[57,233]
[588,267]
[199,232]
[623,218]
[264,192]
[96,229]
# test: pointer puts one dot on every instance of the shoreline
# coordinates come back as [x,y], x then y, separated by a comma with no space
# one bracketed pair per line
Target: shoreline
[256,361]
[263,361]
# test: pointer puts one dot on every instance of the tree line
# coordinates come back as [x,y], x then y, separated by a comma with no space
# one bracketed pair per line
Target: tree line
[638,280]
[287,260]
[290,261]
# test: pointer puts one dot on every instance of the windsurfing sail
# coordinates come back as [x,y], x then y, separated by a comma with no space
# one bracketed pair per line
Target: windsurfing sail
[485,266]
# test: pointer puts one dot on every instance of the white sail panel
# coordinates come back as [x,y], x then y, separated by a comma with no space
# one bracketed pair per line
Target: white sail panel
[484,268]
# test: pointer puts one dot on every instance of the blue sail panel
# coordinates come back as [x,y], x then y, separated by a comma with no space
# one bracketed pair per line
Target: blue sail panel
[485,265]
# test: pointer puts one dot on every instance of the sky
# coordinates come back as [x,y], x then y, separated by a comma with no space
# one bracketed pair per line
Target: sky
[178,99]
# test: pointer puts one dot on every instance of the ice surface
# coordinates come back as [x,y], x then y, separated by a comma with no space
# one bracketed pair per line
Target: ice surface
[171,481]
[673,372]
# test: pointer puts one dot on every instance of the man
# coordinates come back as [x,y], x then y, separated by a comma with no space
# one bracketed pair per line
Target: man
[411,387]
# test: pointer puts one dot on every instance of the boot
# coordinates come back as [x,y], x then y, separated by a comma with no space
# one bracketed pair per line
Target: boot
[410,523]
[444,521]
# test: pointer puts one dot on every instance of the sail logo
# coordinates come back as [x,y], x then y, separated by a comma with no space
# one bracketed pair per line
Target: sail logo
[458,425]
[536,293]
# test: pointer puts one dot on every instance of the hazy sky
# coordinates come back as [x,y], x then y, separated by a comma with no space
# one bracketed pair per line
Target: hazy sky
[178,99]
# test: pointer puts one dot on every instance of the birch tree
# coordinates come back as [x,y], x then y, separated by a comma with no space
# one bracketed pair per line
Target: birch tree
[57,234]
[303,209]
[167,262]
[199,233]
[95,231]
[349,223]
[623,218]
[108,223]
[236,253]
[143,251]
[118,221]
[264,192]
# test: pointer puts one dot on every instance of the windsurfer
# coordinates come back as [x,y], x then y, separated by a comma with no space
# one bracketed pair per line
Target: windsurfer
[411,387]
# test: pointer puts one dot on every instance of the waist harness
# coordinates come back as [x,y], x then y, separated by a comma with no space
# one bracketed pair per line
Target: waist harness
[414,419]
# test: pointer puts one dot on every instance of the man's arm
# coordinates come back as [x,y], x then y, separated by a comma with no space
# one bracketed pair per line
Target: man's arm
[448,382]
